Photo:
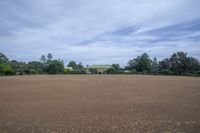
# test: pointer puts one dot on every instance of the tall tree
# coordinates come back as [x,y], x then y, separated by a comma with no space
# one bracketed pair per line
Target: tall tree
[3,58]
[43,58]
[164,67]
[55,67]
[155,65]
[164,64]
[193,65]
[181,64]
[5,69]
[49,57]
[72,64]
[80,66]
[35,67]
[178,62]
[141,63]
[116,67]
[18,67]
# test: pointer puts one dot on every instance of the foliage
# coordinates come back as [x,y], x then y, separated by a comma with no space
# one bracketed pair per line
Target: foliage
[3,58]
[77,68]
[141,63]
[180,64]
[18,67]
[93,70]
[48,65]
[49,57]
[164,64]
[55,67]
[111,71]
[43,58]
[35,67]
[116,67]
[5,69]
[154,65]
[177,64]
[66,71]
[72,64]
[76,71]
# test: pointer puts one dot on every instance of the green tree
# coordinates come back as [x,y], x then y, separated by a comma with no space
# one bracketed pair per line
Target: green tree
[55,67]
[49,57]
[5,69]
[80,66]
[193,65]
[43,58]
[35,67]
[111,71]
[155,65]
[116,67]
[93,70]
[77,68]
[72,64]
[164,67]
[181,64]
[3,58]
[141,63]
[165,64]
[178,62]
[18,67]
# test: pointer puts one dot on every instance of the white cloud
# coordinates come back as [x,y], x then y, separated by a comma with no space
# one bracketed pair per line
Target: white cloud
[83,30]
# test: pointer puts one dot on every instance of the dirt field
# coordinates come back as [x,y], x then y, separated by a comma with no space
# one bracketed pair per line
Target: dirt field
[99,104]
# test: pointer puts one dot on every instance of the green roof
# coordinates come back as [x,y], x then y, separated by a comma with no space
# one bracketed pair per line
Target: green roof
[101,66]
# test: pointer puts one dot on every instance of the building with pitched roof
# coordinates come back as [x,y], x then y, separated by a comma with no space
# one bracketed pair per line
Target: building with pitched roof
[100,69]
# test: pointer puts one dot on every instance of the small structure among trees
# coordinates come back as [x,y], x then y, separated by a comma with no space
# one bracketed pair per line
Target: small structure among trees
[100,69]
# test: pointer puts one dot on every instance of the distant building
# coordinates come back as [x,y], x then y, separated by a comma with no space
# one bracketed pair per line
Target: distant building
[100,69]
[69,68]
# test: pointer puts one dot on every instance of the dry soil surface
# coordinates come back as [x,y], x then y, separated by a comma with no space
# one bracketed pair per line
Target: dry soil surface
[99,104]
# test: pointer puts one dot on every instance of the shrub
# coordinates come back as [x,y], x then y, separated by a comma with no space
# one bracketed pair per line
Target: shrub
[166,72]
[6,69]
[75,72]
[111,71]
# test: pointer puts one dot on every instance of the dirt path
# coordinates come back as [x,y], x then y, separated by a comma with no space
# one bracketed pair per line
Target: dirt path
[99,104]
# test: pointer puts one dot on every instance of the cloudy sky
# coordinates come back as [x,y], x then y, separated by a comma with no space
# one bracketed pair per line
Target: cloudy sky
[98,31]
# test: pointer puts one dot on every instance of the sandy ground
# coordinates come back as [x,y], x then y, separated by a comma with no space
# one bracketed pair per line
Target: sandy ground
[99,104]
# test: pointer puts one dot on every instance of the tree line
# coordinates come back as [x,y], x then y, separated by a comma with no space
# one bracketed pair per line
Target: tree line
[178,63]
[46,65]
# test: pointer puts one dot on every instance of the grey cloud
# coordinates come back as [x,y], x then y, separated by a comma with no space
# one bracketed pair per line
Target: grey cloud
[121,30]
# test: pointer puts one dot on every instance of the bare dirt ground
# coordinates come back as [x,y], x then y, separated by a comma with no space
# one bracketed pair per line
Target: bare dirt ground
[99,104]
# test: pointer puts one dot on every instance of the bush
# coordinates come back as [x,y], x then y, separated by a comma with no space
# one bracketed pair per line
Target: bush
[93,70]
[55,67]
[31,71]
[197,72]
[66,71]
[166,72]
[6,69]
[75,72]
[111,71]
